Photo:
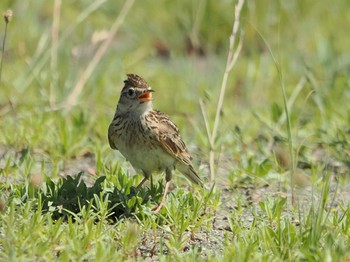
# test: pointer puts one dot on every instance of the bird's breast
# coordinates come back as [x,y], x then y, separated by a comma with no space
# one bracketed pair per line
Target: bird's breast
[135,141]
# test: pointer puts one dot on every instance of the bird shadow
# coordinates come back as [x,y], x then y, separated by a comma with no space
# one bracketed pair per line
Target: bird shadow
[71,197]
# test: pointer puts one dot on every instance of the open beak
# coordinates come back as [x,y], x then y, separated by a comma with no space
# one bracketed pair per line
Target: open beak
[146,95]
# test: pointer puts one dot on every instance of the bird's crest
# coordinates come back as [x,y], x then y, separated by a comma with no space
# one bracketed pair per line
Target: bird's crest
[136,81]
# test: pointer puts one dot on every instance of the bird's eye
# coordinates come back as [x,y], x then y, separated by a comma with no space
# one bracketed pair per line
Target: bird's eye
[131,92]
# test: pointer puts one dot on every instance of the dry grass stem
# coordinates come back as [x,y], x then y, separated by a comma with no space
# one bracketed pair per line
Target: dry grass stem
[54,49]
[73,96]
[42,55]
[7,17]
[292,98]
[204,115]
[207,128]
[233,54]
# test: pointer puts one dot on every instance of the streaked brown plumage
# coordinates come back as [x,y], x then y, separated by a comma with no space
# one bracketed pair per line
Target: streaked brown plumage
[146,137]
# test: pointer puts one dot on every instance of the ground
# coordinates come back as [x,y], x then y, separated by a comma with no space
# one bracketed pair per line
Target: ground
[284,126]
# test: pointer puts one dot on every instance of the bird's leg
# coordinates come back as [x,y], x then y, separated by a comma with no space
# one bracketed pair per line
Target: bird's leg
[146,176]
[166,188]
[142,182]
[160,205]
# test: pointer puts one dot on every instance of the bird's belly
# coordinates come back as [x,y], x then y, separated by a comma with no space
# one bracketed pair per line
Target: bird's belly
[146,157]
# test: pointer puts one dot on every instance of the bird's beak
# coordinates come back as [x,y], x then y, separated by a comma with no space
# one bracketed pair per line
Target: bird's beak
[146,95]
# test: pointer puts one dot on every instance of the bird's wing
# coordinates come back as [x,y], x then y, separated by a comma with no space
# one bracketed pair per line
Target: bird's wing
[111,133]
[166,132]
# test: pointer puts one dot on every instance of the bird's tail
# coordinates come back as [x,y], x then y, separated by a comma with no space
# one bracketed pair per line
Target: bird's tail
[190,173]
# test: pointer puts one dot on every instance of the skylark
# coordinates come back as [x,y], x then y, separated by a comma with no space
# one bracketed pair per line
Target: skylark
[146,137]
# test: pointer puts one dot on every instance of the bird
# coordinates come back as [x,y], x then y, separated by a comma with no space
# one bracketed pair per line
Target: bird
[147,138]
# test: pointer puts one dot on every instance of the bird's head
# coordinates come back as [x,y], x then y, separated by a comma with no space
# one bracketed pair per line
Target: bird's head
[136,96]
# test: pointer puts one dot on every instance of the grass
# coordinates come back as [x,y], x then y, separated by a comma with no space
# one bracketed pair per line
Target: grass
[65,195]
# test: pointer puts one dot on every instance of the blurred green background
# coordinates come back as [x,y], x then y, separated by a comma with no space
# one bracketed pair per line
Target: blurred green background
[180,48]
